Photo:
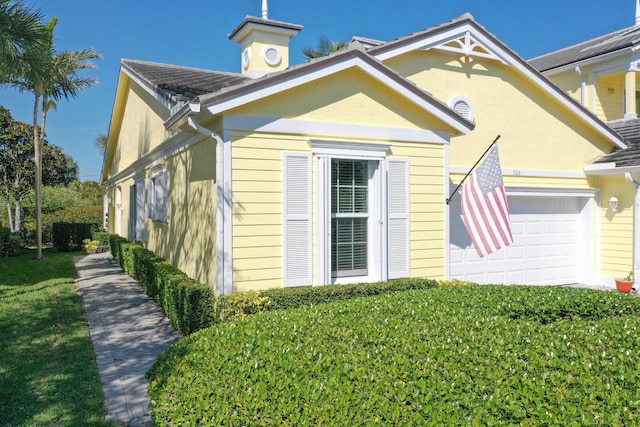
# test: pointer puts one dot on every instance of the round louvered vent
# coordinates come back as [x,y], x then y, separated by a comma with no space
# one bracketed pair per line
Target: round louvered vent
[462,105]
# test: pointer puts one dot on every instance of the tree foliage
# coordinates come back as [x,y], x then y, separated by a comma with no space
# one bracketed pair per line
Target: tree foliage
[52,76]
[325,47]
[17,165]
[20,31]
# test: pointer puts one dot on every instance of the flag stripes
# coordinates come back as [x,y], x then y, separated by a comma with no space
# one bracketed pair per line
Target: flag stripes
[485,211]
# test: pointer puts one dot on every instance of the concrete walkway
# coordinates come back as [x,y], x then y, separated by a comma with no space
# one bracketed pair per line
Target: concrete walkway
[128,332]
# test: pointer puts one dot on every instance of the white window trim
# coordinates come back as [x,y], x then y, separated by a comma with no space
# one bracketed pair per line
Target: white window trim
[158,196]
[324,151]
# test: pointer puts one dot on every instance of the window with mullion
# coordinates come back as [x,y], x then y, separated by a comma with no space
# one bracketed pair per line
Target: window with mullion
[349,215]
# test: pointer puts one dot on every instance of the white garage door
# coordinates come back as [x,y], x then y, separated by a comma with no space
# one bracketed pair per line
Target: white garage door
[544,251]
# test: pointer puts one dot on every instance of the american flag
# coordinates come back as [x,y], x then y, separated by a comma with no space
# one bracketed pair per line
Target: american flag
[485,212]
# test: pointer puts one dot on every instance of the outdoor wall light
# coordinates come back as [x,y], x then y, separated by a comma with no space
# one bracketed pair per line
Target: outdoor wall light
[613,203]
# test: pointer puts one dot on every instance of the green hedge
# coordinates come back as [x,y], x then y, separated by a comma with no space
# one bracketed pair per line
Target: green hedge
[466,355]
[86,214]
[68,236]
[9,244]
[188,304]
[280,298]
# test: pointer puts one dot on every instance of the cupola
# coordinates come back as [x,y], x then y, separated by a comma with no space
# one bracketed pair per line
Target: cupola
[265,43]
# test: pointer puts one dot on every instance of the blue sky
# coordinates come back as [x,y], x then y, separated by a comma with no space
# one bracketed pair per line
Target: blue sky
[194,33]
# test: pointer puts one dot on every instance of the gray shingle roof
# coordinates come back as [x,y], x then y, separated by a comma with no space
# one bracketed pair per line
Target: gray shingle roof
[611,42]
[630,156]
[181,84]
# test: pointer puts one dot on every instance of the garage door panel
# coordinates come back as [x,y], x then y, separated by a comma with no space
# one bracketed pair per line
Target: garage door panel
[544,251]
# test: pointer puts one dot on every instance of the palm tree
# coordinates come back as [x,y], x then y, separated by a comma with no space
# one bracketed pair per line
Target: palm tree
[58,76]
[325,47]
[20,30]
[101,142]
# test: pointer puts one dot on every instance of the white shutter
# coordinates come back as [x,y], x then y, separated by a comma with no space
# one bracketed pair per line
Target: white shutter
[140,214]
[297,219]
[398,218]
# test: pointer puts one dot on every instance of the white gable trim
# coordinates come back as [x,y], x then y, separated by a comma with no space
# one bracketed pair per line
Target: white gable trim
[465,32]
[263,91]
[333,130]
[491,44]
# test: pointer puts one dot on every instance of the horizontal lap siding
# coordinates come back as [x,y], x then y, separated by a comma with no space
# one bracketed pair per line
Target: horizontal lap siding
[617,228]
[257,209]
[188,239]
[427,207]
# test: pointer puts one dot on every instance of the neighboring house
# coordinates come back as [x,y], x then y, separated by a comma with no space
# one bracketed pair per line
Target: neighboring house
[337,170]
[603,75]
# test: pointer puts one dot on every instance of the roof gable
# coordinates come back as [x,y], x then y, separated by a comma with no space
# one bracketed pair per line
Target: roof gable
[463,35]
[353,57]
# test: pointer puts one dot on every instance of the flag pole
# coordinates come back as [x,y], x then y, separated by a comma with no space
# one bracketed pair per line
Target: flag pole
[471,170]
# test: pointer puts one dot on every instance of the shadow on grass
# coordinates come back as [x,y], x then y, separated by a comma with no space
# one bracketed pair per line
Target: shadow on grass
[48,373]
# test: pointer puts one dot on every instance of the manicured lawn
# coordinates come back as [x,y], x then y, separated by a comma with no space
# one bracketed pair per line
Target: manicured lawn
[477,356]
[48,373]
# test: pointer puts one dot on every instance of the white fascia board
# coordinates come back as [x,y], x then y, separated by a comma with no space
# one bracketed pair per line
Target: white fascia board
[265,91]
[609,169]
[333,130]
[531,173]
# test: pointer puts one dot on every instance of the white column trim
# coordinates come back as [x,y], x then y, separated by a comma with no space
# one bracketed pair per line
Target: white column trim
[228,214]
[447,212]
[323,219]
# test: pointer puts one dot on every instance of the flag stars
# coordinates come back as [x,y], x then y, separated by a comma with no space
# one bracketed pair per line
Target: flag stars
[489,173]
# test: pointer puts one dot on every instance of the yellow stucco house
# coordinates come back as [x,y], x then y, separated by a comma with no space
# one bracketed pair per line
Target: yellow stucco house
[338,170]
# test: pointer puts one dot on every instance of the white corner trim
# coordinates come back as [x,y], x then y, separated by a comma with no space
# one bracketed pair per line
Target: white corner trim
[333,130]
[227,201]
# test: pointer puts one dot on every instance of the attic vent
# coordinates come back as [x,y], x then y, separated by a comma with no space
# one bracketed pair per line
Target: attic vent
[462,105]
[272,56]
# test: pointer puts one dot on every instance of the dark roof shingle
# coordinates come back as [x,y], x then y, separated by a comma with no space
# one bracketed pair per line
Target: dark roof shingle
[181,84]
[630,156]
[611,42]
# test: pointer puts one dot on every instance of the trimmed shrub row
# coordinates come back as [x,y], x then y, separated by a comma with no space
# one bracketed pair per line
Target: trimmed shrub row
[239,305]
[295,297]
[466,356]
[188,304]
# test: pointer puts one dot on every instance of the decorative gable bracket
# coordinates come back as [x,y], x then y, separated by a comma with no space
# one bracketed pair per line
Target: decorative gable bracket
[466,45]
